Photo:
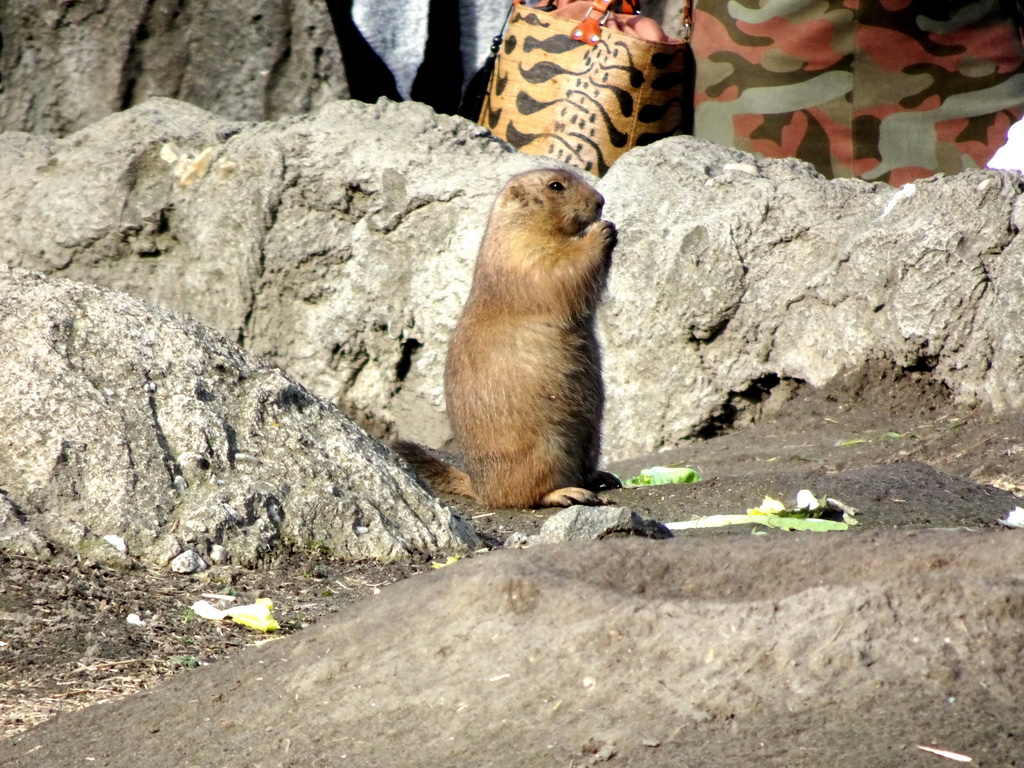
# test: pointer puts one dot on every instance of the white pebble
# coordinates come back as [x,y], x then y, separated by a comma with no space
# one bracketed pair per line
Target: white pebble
[188,561]
[1015,518]
[117,543]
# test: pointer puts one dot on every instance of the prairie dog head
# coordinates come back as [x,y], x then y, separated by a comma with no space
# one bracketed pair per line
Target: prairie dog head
[558,201]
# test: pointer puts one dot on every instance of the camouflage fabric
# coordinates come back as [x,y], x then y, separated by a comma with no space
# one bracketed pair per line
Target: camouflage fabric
[888,90]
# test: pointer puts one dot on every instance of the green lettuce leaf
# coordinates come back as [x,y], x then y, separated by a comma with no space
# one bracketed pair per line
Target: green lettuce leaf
[665,476]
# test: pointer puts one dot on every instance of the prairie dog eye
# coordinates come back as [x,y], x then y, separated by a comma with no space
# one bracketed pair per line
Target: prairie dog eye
[556,186]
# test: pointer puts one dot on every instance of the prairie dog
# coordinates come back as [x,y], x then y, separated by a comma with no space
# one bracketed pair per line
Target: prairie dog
[522,375]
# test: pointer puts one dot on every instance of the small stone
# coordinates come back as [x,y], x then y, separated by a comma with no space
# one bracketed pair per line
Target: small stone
[580,523]
[117,543]
[517,540]
[188,561]
[166,549]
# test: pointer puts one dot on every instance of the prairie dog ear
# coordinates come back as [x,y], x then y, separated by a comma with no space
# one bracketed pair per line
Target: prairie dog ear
[516,191]
[513,197]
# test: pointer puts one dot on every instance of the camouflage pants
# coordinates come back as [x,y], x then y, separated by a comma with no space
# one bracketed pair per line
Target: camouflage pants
[888,90]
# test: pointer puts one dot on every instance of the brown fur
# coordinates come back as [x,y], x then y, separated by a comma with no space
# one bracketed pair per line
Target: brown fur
[523,371]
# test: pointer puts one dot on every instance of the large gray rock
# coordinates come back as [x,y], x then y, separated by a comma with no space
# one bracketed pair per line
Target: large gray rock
[735,275]
[65,65]
[340,246]
[122,421]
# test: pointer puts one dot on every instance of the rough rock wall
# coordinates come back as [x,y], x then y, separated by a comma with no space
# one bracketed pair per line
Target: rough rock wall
[735,276]
[338,246]
[341,245]
[64,65]
[129,430]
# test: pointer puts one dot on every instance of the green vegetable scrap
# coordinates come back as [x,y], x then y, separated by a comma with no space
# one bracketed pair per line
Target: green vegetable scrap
[451,559]
[712,521]
[806,505]
[774,514]
[801,524]
[256,615]
[665,476]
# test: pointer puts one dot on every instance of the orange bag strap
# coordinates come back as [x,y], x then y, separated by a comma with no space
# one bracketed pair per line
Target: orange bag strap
[589,30]
[687,27]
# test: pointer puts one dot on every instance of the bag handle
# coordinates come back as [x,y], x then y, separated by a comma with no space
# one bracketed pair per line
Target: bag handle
[589,30]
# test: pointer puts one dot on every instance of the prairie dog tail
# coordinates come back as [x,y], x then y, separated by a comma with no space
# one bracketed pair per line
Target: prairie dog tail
[439,475]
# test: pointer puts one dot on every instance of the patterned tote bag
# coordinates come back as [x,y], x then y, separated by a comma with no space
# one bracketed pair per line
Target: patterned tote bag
[585,96]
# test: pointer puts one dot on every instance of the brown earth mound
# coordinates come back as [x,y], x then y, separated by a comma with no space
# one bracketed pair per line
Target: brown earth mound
[794,651]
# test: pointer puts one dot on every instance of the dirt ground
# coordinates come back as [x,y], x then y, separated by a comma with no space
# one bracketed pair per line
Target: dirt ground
[889,444]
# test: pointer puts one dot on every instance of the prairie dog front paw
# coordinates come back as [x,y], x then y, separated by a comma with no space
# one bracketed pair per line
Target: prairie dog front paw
[604,233]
